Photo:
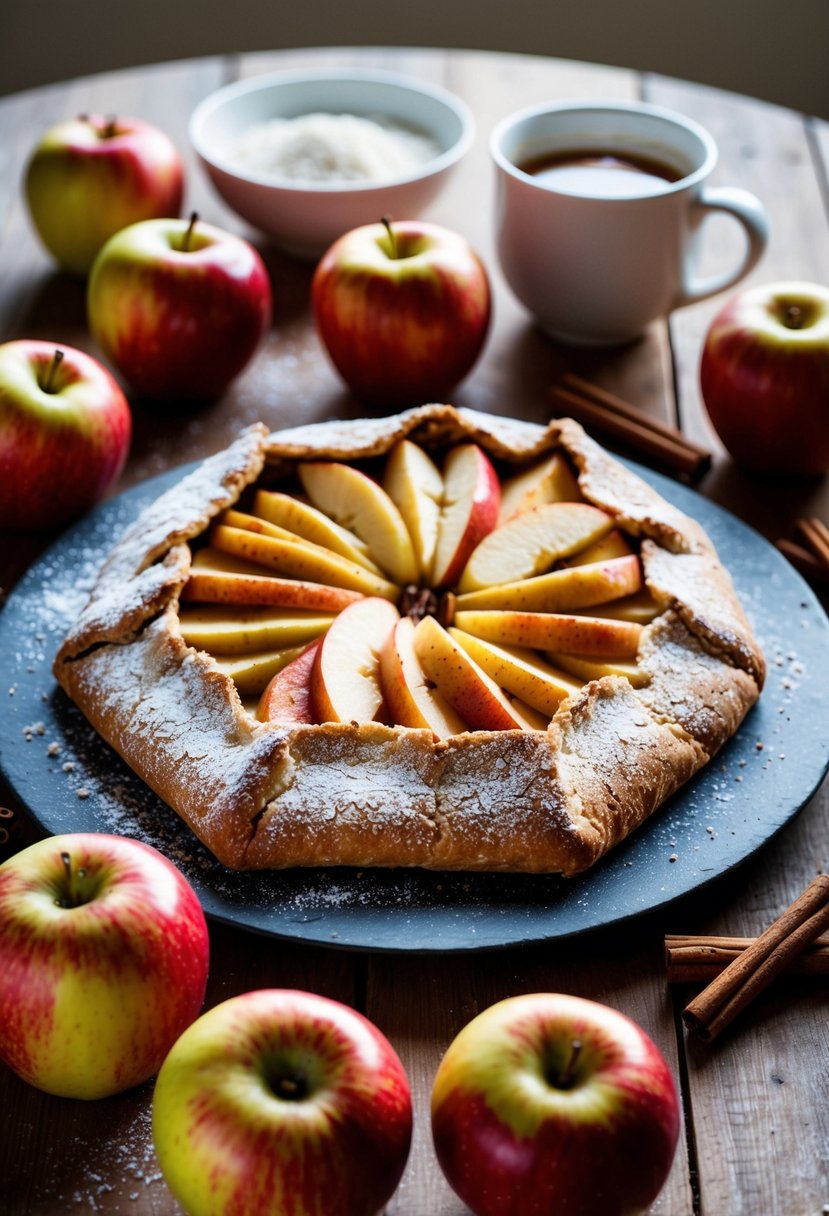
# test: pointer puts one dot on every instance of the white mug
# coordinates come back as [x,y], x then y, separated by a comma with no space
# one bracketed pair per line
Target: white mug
[597,267]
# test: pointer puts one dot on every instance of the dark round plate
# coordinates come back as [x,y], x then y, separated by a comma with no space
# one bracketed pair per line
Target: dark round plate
[70,780]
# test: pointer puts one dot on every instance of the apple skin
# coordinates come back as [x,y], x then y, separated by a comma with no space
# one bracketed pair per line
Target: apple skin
[92,176]
[514,1137]
[403,317]
[94,994]
[178,307]
[764,376]
[284,1102]
[61,447]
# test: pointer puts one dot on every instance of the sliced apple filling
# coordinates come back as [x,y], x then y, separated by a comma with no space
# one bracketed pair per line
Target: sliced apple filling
[431,597]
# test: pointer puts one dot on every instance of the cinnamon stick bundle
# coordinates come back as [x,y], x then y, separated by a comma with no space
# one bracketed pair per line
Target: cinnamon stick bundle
[610,416]
[691,960]
[755,967]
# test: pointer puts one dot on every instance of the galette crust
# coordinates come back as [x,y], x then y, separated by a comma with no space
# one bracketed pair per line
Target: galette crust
[261,796]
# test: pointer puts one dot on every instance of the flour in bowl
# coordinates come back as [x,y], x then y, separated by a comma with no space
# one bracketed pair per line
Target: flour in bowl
[332,147]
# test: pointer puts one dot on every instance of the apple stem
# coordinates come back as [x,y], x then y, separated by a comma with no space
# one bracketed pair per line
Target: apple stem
[48,384]
[188,236]
[109,126]
[386,222]
[68,900]
[292,1089]
[793,317]
[567,1077]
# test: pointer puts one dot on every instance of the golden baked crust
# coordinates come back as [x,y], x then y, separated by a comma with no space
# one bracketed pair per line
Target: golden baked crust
[263,796]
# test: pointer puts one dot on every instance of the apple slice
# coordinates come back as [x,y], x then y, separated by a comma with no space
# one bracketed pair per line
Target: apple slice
[531,543]
[312,525]
[216,586]
[582,635]
[562,590]
[214,560]
[467,688]
[287,699]
[520,672]
[345,684]
[640,607]
[612,545]
[410,697]
[251,673]
[471,499]
[256,523]
[532,719]
[548,480]
[299,559]
[357,502]
[243,519]
[591,668]
[415,485]
[219,631]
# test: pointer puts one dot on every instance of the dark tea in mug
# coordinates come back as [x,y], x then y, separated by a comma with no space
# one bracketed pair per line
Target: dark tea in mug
[602,173]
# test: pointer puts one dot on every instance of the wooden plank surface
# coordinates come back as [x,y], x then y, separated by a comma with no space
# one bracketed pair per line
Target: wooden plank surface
[752,1098]
[769,151]
[758,1122]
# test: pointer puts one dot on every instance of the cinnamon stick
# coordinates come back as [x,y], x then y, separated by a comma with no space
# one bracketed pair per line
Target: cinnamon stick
[770,954]
[805,562]
[611,416]
[691,960]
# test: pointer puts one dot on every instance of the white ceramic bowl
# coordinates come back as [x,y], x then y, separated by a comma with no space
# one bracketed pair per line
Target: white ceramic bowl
[304,218]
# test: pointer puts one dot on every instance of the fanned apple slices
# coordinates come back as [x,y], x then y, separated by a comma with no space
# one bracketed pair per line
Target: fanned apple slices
[429,597]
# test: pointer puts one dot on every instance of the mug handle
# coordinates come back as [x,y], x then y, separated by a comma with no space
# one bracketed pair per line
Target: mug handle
[749,211]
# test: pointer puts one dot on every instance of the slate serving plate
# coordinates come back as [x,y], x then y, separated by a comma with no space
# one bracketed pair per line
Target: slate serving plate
[70,780]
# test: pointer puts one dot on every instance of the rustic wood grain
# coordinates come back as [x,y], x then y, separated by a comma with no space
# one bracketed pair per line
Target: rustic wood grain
[758,1094]
[58,1155]
[758,1122]
[770,151]
[446,993]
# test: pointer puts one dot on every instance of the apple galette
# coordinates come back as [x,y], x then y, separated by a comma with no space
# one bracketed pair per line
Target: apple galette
[442,639]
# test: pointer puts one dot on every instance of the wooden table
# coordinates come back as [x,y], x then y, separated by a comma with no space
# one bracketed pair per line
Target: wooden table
[756,1116]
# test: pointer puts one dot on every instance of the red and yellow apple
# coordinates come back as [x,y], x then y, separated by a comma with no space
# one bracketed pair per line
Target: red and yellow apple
[284,1102]
[65,430]
[103,963]
[402,309]
[764,376]
[550,1103]
[92,176]
[178,307]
